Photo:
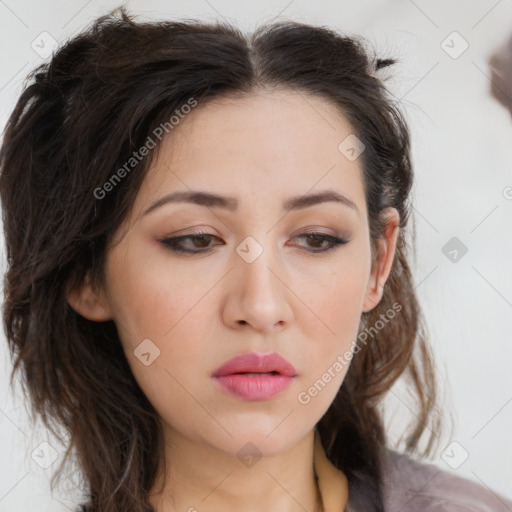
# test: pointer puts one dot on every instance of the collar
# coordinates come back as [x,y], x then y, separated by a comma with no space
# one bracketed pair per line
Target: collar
[332,483]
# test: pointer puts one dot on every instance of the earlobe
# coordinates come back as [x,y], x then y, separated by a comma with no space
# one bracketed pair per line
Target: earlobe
[88,302]
[384,261]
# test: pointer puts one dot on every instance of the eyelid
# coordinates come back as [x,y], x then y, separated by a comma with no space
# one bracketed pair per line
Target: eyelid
[200,230]
[313,229]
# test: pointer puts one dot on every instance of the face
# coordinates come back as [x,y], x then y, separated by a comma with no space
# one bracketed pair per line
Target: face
[191,285]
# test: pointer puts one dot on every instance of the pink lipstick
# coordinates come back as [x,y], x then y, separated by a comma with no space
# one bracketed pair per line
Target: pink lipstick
[255,376]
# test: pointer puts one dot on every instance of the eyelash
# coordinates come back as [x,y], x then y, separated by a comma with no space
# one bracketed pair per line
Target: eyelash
[173,243]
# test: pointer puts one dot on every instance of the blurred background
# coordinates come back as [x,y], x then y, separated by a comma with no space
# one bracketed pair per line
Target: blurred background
[462,140]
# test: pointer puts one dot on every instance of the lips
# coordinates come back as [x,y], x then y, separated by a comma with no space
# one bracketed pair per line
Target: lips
[253,376]
[253,363]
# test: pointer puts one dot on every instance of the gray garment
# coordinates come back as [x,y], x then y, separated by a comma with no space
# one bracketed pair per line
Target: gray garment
[411,486]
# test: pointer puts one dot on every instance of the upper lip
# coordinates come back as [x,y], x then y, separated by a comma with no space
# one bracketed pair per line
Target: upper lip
[253,362]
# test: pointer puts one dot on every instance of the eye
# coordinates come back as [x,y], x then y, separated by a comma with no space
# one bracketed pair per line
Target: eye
[319,239]
[200,242]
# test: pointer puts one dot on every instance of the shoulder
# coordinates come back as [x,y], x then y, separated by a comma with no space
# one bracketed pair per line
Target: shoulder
[412,486]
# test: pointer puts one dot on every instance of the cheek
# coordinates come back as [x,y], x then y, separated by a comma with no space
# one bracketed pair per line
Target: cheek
[343,297]
[162,322]
[149,298]
[164,342]
[335,299]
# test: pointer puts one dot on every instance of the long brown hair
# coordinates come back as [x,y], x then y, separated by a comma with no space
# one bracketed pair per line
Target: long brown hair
[79,119]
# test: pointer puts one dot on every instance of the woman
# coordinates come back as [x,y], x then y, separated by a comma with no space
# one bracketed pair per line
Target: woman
[207,279]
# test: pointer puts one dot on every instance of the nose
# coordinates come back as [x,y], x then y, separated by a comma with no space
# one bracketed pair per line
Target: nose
[258,296]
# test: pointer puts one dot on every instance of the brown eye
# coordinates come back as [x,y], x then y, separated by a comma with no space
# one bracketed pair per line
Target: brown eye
[199,243]
[316,240]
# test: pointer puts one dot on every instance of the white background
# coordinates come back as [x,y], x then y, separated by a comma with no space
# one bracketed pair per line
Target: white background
[463,163]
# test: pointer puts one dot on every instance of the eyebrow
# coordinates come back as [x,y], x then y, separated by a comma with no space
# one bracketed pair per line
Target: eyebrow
[230,203]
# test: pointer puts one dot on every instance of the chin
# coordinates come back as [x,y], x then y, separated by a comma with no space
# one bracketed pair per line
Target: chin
[261,439]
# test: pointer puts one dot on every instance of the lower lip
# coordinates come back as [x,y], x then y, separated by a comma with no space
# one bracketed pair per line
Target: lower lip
[256,387]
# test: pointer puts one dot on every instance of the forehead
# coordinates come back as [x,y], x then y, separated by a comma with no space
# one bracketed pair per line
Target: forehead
[261,144]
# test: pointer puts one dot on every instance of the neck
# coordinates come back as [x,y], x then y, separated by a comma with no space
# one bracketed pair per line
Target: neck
[202,478]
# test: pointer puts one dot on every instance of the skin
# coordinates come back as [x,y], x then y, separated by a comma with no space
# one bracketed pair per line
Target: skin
[202,310]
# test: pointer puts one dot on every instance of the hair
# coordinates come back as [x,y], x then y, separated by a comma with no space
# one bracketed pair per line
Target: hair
[79,118]
[500,65]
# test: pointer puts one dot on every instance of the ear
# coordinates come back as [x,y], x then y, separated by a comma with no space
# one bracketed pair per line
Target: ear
[382,265]
[89,302]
